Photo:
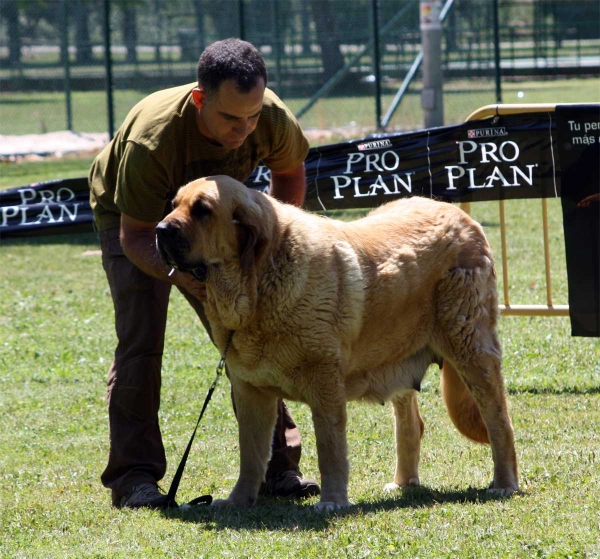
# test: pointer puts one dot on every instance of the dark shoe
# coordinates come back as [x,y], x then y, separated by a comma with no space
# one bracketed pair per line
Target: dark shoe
[289,485]
[143,495]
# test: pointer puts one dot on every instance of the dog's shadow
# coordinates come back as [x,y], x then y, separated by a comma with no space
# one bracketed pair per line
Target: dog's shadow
[280,514]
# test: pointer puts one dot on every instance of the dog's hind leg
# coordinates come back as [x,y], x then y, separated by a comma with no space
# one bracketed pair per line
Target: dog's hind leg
[409,428]
[478,364]
[466,333]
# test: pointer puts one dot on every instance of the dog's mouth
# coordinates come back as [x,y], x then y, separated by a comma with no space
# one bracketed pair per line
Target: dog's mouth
[199,272]
[173,247]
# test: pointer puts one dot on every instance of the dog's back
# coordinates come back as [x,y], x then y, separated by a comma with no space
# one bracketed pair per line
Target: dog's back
[408,252]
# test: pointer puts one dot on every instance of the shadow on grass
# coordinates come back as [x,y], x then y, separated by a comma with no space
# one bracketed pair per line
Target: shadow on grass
[557,391]
[279,514]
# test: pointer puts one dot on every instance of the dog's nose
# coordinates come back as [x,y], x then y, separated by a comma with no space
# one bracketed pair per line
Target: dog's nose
[168,241]
[165,229]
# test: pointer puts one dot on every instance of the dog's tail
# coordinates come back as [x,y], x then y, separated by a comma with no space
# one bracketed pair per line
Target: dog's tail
[461,406]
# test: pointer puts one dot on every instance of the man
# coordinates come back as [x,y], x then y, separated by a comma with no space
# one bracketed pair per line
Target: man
[224,124]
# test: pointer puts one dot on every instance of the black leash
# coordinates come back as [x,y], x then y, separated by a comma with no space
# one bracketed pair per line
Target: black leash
[204,499]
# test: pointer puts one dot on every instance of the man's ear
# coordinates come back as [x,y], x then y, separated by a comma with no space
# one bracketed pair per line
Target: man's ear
[199,97]
[251,235]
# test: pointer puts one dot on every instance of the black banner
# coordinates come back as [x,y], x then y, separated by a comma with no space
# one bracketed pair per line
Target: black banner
[579,152]
[46,208]
[501,158]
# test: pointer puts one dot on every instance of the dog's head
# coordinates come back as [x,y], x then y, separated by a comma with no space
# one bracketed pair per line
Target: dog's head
[215,221]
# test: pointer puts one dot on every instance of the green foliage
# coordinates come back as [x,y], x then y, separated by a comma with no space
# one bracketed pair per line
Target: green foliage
[56,344]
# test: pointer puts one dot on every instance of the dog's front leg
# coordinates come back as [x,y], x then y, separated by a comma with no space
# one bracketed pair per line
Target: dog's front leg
[256,414]
[332,449]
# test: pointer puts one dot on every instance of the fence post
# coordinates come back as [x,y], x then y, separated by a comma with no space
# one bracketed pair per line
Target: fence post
[377,64]
[242,20]
[275,39]
[67,63]
[431,38]
[497,53]
[108,67]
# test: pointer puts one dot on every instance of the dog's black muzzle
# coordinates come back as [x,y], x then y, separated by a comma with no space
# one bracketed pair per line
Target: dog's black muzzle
[173,248]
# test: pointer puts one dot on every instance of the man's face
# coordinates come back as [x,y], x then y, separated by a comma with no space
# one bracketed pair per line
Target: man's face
[229,116]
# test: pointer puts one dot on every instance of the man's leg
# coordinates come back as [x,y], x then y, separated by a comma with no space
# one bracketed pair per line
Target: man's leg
[286,448]
[283,477]
[137,455]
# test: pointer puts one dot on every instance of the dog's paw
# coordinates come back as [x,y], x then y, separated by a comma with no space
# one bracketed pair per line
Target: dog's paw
[391,487]
[330,506]
[502,491]
[241,502]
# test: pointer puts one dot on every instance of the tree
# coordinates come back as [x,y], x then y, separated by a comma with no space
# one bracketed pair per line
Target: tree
[327,37]
[223,15]
[10,13]
[129,31]
[83,43]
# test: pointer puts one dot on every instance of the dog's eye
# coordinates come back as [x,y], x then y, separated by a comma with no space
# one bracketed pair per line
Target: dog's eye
[200,209]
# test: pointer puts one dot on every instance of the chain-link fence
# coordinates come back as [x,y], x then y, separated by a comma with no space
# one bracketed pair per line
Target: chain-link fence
[320,54]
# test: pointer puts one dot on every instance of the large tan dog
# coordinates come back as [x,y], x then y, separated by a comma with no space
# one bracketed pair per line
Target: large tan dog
[325,311]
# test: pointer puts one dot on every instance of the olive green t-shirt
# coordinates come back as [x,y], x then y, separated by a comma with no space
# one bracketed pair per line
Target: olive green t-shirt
[159,148]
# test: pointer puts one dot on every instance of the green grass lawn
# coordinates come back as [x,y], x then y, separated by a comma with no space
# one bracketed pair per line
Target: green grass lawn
[56,344]
[33,113]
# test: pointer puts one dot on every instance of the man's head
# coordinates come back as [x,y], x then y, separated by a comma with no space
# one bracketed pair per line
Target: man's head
[231,82]
[231,59]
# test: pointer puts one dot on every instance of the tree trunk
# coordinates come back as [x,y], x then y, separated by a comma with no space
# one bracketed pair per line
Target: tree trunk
[199,11]
[306,38]
[82,32]
[224,16]
[331,54]
[11,14]
[129,33]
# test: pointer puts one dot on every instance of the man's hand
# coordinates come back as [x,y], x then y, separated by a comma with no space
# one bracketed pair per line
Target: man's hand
[587,201]
[138,239]
[289,186]
[189,283]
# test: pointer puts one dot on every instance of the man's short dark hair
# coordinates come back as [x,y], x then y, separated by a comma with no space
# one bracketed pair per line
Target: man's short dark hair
[231,59]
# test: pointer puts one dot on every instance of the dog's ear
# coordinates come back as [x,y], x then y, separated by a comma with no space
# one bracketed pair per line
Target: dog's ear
[252,237]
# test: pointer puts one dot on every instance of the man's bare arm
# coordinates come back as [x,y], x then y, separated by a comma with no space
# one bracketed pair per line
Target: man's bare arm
[138,239]
[289,186]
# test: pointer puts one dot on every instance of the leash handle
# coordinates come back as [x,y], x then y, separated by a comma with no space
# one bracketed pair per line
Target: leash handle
[179,473]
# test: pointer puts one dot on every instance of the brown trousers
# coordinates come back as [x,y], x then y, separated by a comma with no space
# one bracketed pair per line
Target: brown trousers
[137,454]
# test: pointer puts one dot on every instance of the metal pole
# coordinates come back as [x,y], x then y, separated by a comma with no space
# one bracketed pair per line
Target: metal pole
[431,39]
[108,68]
[497,53]
[410,75]
[377,64]
[67,63]
[276,40]
[242,20]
